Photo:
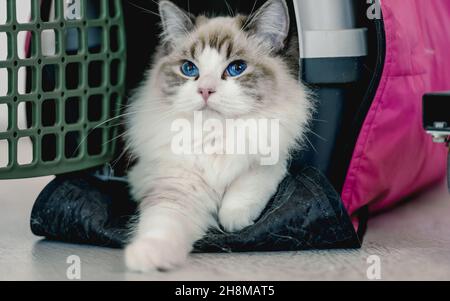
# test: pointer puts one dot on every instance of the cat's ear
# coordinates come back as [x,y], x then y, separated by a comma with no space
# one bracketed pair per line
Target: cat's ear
[176,22]
[271,24]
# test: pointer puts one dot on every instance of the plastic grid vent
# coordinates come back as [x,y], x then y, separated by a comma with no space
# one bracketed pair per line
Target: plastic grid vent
[71,92]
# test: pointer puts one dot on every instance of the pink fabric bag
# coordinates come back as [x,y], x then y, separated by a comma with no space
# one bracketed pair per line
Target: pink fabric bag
[394,157]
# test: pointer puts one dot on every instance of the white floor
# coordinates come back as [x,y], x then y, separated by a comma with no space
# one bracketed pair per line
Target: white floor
[413,243]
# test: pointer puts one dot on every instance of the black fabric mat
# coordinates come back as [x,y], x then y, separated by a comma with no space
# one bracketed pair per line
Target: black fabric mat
[306,213]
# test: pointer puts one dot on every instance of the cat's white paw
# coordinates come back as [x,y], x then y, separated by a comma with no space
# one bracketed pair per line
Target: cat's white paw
[235,217]
[150,254]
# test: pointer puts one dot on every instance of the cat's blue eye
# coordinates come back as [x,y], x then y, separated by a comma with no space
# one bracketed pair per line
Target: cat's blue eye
[189,69]
[236,68]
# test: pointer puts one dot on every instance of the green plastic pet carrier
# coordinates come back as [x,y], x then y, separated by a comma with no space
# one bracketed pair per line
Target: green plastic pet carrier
[74,70]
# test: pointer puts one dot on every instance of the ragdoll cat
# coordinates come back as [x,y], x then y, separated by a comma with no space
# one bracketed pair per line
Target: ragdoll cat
[226,68]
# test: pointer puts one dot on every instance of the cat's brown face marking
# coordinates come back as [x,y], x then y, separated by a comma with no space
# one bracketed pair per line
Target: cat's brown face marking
[211,46]
[226,37]
[222,40]
[171,79]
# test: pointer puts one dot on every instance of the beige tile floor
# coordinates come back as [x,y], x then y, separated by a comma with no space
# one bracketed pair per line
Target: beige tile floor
[412,241]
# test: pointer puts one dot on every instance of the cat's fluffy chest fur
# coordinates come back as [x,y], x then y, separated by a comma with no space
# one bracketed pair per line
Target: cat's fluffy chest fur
[227,68]
[217,168]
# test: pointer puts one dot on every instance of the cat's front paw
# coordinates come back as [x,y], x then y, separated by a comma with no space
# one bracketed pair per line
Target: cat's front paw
[235,217]
[150,254]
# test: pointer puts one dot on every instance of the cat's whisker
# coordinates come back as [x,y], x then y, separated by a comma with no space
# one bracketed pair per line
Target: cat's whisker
[129,161]
[318,136]
[97,127]
[312,146]
[250,16]
[117,160]
[115,138]
[230,11]
[319,120]
[146,10]
[155,2]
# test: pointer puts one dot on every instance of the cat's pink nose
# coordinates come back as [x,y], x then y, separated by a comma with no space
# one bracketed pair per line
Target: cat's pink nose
[206,93]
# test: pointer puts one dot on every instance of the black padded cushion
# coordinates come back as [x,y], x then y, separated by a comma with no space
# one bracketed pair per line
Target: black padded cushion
[306,213]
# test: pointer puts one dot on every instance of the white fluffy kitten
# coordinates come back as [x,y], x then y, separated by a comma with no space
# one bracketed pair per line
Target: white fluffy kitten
[228,68]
